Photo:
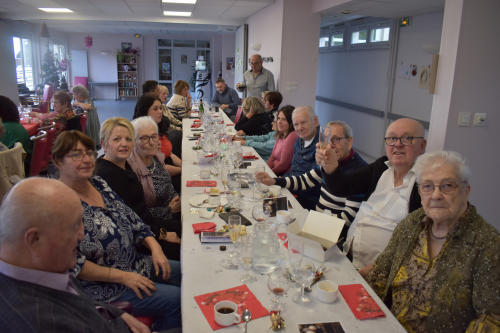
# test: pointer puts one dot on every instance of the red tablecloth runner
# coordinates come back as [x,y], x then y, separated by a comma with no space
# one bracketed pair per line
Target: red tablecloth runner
[240,295]
[362,305]
[201,183]
[31,128]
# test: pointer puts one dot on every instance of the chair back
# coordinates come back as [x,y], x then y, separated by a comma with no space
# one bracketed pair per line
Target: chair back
[51,134]
[39,144]
[74,124]
[11,165]
[238,115]
[83,80]
[47,97]
[83,120]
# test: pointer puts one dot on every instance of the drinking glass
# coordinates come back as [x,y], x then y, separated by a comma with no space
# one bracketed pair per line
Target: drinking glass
[234,225]
[282,237]
[278,283]
[303,274]
[295,252]
[224,177]
[325,134]
[247,251]
[237,159]
[235,190]
[261,213]
[260,168]
[255,190]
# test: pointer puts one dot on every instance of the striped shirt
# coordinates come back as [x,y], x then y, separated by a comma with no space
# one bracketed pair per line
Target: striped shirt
[178,107]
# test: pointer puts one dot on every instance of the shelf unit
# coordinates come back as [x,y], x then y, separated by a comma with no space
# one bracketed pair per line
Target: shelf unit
[128,76]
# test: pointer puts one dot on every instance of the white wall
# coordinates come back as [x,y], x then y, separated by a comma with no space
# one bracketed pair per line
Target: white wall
[228,45]
[8,83]
[216,56]
[408,99]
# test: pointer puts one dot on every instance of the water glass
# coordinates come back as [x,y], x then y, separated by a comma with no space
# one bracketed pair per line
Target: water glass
[224,177]
[234,225]
[303,274]
[235,190]
[325,134]
[282,237]
[295,252]
[247,252]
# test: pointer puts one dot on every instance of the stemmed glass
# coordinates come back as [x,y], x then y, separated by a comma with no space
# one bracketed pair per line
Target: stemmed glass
[234,224]
[303,274]
[295,252]
[224,177]
[261,213]
[237,159]
[217,159]
[260,168]
[278,283]
[282,237]
[247,251]
[235,190]
[325,134]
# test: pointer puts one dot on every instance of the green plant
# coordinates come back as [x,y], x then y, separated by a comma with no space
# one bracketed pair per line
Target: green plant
[119,55]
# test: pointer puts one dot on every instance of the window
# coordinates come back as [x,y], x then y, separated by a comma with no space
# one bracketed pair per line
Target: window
[24,61]
[380,35]
[165,42]
[324,41]
[203,43]
[184,43]
[359,37]
[337,39]
[59,53]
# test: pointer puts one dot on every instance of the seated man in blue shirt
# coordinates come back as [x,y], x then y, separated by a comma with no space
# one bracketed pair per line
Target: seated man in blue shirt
[226,98]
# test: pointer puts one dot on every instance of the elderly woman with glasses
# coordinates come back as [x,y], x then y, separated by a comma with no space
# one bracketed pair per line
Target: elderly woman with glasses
[82,103]
[255,119]
[62,109]
[108,263]
[441,269]
[148,164]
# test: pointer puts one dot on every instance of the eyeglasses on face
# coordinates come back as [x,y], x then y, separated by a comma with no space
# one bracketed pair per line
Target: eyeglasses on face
[78,156]
[336,141]
[145,139]
[446,188]
[255,63]
[405,140]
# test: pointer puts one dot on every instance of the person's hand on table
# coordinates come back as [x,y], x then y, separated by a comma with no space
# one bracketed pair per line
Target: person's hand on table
[329,157]
[365,271]
[223,106]
[160,260]
[134,325]
[243,142]
[189,113]
[34,114]
[265,178]
[175,205]
[136,281]
[240,133]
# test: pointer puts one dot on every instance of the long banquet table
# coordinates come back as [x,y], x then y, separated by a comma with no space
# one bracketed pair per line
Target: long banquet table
[202,273]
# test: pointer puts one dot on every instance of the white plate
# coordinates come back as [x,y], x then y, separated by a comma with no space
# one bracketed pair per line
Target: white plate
[199,198]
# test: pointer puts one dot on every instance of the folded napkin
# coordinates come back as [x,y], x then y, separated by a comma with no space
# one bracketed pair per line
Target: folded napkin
[240,295]
[198,228]
[196,125]
[207,156]
[201,183]
[250,157]
[230,124]
[197,121]
[362,305]
[206,214]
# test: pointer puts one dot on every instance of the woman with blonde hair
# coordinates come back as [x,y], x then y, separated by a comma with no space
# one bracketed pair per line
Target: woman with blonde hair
[180,103]
[255,120]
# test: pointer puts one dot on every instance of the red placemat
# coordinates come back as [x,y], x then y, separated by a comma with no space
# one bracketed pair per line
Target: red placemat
[230,124]
[240,295]
[250,158]
[362,305]
[196,125]
[201,183]
[198,228]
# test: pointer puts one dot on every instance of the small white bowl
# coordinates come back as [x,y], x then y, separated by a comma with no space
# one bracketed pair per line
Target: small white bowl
[327,291]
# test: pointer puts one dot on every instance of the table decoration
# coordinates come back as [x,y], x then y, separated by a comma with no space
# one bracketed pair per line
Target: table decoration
[362,305]
[277,322]
[240,295]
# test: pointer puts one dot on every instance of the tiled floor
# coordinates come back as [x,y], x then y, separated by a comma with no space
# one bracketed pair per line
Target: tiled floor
[108,108]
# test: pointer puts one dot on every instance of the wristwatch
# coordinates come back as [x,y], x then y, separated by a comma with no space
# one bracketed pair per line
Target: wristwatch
[163,232]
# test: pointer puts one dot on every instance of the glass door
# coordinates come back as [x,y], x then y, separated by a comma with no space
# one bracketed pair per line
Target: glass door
[165,65]
[24,62]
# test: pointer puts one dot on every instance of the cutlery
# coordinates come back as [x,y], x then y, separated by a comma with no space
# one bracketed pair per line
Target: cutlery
[203,202]
[246,317]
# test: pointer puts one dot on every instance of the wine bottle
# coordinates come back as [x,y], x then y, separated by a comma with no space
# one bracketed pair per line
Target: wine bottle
[201,108]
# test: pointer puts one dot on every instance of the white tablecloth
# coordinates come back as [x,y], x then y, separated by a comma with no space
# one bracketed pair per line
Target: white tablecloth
[203,274]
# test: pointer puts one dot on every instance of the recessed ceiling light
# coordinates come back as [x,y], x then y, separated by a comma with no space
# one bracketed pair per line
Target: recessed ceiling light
[180,1]
[167,13]
[346,11]
[56,10]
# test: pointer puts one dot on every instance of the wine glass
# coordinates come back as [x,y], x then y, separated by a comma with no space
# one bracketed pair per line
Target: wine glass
[325,134]
[247,251]
[278,283]
[303,274]
[234,225]
[224,177]
[260,168]
[295,252]
[237,159]
[282,237]
[255,190]
[261,213]
[235,190]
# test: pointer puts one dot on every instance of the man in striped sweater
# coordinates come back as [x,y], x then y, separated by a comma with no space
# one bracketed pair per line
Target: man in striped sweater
[349,160]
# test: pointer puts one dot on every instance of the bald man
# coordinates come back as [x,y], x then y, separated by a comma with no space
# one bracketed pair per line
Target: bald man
[40,227]
[389,189]
[258,79]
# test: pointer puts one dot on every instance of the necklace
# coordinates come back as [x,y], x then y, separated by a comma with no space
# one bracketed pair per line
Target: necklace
[435,237]
[154,167]
[84,194]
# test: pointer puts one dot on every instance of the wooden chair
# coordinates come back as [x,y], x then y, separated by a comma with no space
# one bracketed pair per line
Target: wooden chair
[11,165]
[39,144]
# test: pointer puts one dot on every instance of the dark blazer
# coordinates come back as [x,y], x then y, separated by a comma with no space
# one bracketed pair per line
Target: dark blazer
[259,124]
[30,308]
[364,181]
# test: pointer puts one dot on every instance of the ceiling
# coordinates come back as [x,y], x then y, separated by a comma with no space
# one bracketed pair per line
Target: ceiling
[380,8]
[145,17]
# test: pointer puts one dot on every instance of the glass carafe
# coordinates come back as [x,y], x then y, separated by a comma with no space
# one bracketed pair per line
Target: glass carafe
[266,248]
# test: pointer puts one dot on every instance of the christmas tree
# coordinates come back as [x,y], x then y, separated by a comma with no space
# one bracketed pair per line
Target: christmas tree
[50,71]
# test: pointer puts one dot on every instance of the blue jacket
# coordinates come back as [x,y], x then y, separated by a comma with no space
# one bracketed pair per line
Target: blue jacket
[230,97]
[303,161]
[263,144]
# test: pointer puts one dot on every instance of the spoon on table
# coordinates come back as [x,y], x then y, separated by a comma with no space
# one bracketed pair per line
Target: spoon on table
[319,271]
[246,317]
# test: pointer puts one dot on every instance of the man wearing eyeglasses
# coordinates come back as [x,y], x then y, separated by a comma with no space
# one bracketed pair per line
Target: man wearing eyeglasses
[258,79]
[389,188]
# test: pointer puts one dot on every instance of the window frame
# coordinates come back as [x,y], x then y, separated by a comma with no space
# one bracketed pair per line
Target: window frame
[34,72]
[330,33]
[369,27]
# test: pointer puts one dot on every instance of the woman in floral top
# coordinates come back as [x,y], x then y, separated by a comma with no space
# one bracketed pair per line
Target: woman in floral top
[83,103]
[62,109]
[108,263]
[441,268]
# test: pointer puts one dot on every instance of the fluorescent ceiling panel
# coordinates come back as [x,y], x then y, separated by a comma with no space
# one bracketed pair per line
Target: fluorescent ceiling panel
[56,10]
[179,1]
[167,13]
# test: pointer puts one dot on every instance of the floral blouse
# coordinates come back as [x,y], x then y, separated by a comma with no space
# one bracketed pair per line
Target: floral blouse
[111,237]
[87,100]
[59,117]
[164,190]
